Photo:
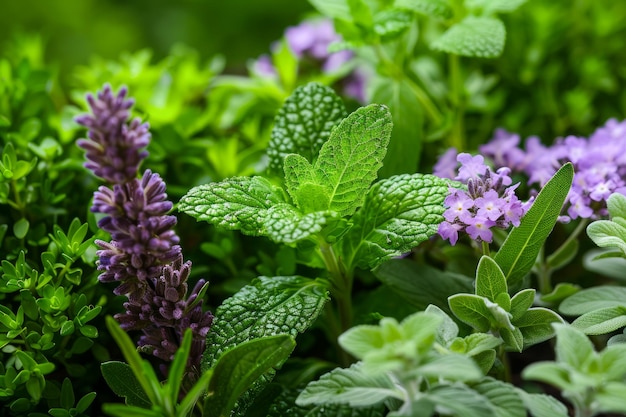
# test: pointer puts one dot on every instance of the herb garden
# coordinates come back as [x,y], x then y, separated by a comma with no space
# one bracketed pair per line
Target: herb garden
[400,208]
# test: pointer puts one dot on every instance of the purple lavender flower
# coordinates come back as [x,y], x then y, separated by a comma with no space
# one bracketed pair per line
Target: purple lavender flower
[143,256]
[489,201]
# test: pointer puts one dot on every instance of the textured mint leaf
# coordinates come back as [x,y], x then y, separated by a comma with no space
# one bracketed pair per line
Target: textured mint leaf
[398,213]
[494,6]
[595,298]
[286,224]
[433,8]
[306,191]
[267,307]
[389,24]
[490,281]
[541,405]
[451,367]
[349,386]
[519,251]
[607,233]
[602,321]
[238,368]
[238,203]
[122,381]
[474,36]
[502,396]
[349,161]
[304,123]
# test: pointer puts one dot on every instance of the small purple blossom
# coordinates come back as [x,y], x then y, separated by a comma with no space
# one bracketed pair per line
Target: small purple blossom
[489,201]
[144,256]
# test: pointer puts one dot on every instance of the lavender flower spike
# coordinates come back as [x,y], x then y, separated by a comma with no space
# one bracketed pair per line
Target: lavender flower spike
[143,256]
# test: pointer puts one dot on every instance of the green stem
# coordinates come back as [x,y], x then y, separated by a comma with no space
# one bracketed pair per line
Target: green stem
[485,246]
[457,96]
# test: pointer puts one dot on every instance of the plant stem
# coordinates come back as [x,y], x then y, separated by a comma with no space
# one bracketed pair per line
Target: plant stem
[485,246]
[457,96]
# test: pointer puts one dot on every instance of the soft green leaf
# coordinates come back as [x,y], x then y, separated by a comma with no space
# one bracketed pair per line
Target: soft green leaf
[502,396]
[303,123]
[519,251]
[612,362]
[606,233]
[474,36]
[592,299]
[551,373]
[616,204]
[572,346]
[389,24]
[239,367]
[471,309]
[333,8]
[20,228]
[541,405]
[267,307]
[494,6]
[239,203]
[611,397]
[562,291]
[476,343]
[360,340]
[606,262]
[122,381]
[348,386]
[448,330]
[521,302]
[303,185]
[349,161]
[536,325]
[286,224]
[433,8]
[399,213]
[450,367]
[460,400]
[602,321]
[513,338]
[490,281]
[421,285]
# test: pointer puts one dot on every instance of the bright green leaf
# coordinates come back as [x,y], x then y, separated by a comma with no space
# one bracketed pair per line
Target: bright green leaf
[474,36]
[502,396]
[461,401]
[594,298]
[471,309]
[433,8]
[285,224]
[607,233]
[494,6]
[602,321]
[536,325]
[572,346]
[490,281]
[541,405]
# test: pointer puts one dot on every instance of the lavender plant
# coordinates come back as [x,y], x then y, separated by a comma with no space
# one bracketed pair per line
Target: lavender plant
[143,256]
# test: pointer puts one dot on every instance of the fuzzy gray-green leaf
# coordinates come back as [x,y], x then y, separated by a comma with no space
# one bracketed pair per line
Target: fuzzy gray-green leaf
[474,36]
[304,123]
[267,307]
[594,298]
[349,161]
[602,321]
[238,203]
[398,213]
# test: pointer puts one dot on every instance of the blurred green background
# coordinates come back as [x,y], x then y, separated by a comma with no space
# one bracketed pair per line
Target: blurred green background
[75,30]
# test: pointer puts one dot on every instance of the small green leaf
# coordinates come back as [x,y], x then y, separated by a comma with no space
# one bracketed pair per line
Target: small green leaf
[592,299]
[239,203]
[451,367]
[122,381]
[389,24]
[433,8]
[521,302]
[490,281]
[239,367]
[398,213]
[611,397]
[541,405]
[494,6]
[20,228]
[572,346]
[474,36]
[303,123]
[460,400]
[607,233]
[333,8]
[602,321]
[502,396]
[349,161]
[471,309]
[562,291]
[536,325]
[616,204]
[519,251]
[513,338]
[348,386]
[285,224]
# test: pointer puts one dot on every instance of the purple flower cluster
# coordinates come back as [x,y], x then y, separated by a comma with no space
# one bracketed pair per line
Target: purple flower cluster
[599,164]
[143,256]
[489,201]
[309,41]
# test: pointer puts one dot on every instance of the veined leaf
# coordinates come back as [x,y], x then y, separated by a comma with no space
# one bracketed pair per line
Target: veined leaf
[239,367]
[592,299]
[398,213]
[453,367]
[333,8]
[349,161]
[536,325]
[471,309]
[602,321]
[607,233]
[239,203]
[267,307]
[474,36]
[517,255]
[490,281]
[460,400]
[616,204]
[521,302]
[303,186]
[504,397]
[494,6]
[433,8]
[304,123]
[349,386]
[572,346]
[541,405]
[285,224]
[122,381]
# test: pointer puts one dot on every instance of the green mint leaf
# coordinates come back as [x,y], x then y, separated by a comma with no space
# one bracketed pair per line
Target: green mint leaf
[602,321]
[460,400]
[349,161]
[405,148]
[451,367]
[542,405]
[490,281]
[474,36]
[267,307]
[398,213]
[607,233]
[361,13]
[303,186]
[434,8]
[390,24]
[239,203]
[350,386]
[611,398]
[471,309]
[519,251]
[595,298]
[536,325]
[238,368]
[122,382]
[502,396]
[494,6]
[476,343]
[286,224]
[612,362]
[448,330]
[422,285]
[552,373]
[303,124]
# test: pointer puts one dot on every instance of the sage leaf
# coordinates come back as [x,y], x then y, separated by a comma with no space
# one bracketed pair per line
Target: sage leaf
[542,405]
[490,281]
[602,321]
[536,325]
[519,251]
[238,203]
[502,396]
[595,298]
[460,400]
[471,309]
[607,233]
